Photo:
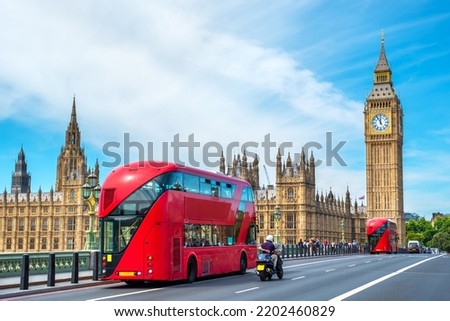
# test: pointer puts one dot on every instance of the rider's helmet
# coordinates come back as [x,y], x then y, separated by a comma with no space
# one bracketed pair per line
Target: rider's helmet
[269,238]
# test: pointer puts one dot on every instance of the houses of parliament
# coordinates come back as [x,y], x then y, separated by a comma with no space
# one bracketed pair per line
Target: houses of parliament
[58,220]
[54,220]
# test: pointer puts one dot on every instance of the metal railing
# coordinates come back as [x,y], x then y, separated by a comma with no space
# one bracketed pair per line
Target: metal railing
[297,251]
[24,265]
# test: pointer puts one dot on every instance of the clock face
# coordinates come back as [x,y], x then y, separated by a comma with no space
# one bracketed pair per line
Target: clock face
[380,122]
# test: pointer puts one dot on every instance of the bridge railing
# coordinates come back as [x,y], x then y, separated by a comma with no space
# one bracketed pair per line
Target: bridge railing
[297,251]
[11,264]
[24,265]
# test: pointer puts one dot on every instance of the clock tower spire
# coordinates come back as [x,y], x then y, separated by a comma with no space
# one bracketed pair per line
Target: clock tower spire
[382,65]
[383,129]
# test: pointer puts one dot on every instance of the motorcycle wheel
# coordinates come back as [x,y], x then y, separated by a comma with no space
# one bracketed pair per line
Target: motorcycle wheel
[280,273]
[265,276]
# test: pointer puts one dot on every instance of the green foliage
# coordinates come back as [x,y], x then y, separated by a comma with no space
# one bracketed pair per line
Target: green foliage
[441,240]
[442,224]
[418,226]
[428,235]
[436,235]
[415,236]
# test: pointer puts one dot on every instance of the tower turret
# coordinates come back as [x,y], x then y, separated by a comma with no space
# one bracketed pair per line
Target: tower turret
[21,179]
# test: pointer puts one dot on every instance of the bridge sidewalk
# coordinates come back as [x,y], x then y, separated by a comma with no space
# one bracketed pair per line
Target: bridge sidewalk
[10,286]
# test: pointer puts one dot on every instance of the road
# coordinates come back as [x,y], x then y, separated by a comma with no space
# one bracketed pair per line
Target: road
[383,277]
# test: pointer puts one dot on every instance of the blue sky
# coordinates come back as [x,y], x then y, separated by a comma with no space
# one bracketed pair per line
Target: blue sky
[224,72]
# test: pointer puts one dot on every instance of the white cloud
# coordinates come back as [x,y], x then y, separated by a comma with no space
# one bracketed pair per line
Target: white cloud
[157,69]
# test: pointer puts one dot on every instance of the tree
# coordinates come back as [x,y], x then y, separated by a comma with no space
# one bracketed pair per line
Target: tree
[420,230]
[442,224]
[441,240]
[427,233]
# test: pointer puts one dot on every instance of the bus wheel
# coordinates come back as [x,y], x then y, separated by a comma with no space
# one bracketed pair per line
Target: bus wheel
[243,264]
[191,270]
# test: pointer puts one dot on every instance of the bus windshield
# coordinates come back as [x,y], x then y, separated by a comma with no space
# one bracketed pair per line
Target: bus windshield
[375,237]
[123,221]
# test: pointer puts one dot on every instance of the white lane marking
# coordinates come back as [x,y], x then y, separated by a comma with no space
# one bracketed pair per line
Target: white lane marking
[318,262]
[124,294]
[367,262]
[352,265]
[246,290]
[374,282]
[330,270]
[298,277]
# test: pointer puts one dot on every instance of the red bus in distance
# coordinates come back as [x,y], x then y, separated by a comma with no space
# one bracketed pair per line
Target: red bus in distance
[382,235]
[170,222]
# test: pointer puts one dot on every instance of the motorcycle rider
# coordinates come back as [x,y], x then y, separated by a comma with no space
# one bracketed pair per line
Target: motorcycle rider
[269,247]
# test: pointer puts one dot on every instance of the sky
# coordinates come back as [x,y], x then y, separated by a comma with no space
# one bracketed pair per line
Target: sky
[181,80]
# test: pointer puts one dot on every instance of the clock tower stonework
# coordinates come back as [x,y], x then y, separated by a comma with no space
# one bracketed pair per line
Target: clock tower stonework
[383,129]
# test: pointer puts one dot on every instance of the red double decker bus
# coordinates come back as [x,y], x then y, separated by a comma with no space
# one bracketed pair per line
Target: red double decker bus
[167,222]
[382,235]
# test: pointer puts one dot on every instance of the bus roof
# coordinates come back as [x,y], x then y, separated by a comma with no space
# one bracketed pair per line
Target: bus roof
[155,168]
[381,219]
[135,174]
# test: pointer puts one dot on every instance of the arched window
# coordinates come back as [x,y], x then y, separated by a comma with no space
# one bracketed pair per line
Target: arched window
[290,193]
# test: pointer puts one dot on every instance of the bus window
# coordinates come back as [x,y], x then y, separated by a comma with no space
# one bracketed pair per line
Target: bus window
[238,224]
[251,234]
[191,183]
[199,235]
[205,186]
[215,190]
[118,232]
[244,195]
[250,194]
[225,190]
[174,181]
[141,200]
[247,194]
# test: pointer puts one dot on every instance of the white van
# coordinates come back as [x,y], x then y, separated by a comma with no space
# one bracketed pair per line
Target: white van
[413,246]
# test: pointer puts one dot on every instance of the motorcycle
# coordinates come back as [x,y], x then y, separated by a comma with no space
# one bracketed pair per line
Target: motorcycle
[265,268]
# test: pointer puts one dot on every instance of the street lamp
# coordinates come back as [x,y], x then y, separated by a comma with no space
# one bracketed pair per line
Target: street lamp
[277,217]
[91,193]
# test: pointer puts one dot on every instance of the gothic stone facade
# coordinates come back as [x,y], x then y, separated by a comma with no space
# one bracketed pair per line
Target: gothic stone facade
[56,220]
[304,214]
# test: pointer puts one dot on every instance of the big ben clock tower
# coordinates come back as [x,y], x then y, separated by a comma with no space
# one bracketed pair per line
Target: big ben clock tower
[383,128]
